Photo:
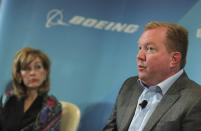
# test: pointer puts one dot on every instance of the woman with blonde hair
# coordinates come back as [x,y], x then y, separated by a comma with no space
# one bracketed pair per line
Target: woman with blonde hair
[29,106]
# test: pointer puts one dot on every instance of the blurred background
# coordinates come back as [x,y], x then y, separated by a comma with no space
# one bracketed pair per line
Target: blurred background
[92,45]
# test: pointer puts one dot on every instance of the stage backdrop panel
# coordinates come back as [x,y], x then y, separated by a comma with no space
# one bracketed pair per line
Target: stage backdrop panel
[92,45]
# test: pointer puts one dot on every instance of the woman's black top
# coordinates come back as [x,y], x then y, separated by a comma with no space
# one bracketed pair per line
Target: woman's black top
[14,118]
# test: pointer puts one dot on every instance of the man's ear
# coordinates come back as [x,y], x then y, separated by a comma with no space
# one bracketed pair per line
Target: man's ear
[175,59]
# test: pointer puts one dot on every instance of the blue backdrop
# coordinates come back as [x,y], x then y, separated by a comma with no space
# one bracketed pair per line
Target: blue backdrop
[92,45]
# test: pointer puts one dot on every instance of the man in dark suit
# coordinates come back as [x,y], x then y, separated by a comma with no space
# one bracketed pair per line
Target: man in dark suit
[161,97]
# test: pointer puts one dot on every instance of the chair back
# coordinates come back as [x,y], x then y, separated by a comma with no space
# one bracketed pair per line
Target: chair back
[70,116]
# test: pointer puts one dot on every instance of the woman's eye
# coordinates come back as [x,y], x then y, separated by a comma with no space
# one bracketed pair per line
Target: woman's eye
[38,66]
[26,68]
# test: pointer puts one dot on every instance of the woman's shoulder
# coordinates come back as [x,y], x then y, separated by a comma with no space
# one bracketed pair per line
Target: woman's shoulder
[50,115]
[51,98]
[5,97]
[51,102]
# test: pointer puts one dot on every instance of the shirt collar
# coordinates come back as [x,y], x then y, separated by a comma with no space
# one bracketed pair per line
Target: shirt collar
[166,84]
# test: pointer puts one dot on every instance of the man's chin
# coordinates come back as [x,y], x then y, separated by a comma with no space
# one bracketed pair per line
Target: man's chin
[141,76]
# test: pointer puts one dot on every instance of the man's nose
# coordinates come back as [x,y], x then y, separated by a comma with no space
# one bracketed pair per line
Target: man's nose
[141,55]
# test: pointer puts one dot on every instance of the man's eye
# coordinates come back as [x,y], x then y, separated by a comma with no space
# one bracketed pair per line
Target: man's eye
[150,48]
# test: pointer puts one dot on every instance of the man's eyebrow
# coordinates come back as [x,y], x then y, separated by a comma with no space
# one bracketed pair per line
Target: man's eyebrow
[147,43]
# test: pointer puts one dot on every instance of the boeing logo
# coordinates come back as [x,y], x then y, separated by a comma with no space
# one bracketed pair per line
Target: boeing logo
[55,18]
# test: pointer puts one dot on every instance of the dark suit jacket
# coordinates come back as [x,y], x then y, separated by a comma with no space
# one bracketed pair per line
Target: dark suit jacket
[179,109]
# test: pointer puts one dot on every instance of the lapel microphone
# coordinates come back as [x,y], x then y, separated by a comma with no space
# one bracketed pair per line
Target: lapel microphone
[143,104]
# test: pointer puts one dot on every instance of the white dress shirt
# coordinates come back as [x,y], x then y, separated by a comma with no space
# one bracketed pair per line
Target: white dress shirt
[153,96]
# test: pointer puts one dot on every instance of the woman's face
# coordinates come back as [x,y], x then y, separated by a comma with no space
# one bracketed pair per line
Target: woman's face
[34,74]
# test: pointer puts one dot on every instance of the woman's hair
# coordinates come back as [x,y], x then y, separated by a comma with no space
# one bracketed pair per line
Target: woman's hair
[22,59]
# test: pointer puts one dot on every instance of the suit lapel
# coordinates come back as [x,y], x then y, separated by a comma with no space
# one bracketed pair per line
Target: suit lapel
[165,104]
[130,110]
[167,101]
